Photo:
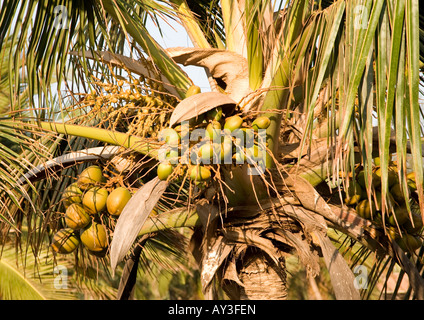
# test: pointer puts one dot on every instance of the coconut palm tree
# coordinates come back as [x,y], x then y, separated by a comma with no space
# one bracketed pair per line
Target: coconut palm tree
[327,92]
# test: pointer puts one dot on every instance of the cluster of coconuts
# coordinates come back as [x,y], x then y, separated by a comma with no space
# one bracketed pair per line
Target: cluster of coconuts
[398,223]
[214,148]
[84,200]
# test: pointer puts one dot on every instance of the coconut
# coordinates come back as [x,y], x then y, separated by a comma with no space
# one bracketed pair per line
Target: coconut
[365,210]
[76,217]
[164,170]
[233,123]
[94,237]
[409,242]
[65,241]
[169,136]
[94,200]
[416,224]
[200,173]
[213,130]
[206,152]
[117,200]
[400,216]
[72,194]
[193,90]
[90,176]
[261,123]
[214,114]
[397,194]
[353,194]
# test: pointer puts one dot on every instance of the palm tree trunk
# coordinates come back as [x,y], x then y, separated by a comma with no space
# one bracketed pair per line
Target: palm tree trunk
[262,278]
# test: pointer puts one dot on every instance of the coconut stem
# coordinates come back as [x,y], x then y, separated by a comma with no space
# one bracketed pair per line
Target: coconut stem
[173,219]
[128,141]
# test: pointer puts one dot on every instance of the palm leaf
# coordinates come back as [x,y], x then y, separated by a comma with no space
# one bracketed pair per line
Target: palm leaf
[133,26]
[133,218]
[69,159]
[413,107]
[13,278]
[41,278]
[129,64]
[196,105]
[226,66]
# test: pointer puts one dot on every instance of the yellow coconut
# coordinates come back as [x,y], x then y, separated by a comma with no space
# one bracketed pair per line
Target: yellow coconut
[411,180]
[353,194]
[200,173]
[169,136]
[183,130]
[76,217]
[192,90]
[72,194]
[206,152]
[94,200]
[255,153]
[89,177]
[240,156]
[213,130]
[393,233]
[226,152]
[164,170]
[392,177]
[65,241]
[117,200]
[365,210]
[94,237]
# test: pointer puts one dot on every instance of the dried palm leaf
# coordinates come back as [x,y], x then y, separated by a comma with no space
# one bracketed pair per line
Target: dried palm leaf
[228,66]
[341,275]
[198,104]
[133,217]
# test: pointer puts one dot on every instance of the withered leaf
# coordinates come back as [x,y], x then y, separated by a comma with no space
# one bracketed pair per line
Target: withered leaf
[132,218]
[198,104]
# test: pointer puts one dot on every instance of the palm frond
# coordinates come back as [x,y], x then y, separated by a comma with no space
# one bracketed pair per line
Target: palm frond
[26,277]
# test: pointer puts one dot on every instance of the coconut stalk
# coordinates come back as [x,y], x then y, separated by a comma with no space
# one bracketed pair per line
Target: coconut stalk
[277,77]
[116,138]
[177,218]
